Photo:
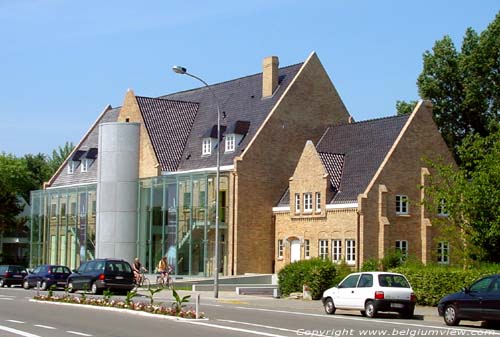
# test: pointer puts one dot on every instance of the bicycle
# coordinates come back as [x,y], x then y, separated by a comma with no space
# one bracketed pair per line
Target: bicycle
[142,280]
[164,280]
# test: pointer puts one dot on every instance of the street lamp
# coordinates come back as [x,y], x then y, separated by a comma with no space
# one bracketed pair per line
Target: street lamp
[183,71]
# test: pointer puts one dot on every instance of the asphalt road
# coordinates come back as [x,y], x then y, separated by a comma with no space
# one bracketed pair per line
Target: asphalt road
[249,316]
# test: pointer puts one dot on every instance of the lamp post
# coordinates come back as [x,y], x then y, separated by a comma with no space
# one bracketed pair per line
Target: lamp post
[183,71]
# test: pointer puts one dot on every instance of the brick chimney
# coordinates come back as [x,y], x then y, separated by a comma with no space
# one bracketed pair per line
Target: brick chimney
[270,76]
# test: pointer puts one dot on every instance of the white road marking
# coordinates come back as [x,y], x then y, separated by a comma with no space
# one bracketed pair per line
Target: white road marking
[258,325]
[482,331]
[7,296]
[234,329]
[45,326]
[7,299]
[14,321]
[78,333]
[211,305]
[17,332]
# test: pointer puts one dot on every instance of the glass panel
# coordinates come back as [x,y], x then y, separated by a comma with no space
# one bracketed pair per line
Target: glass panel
[184,237]
[144,224]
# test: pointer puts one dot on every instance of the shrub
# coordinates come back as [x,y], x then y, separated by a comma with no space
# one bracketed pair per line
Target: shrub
[370,265]
[318,274]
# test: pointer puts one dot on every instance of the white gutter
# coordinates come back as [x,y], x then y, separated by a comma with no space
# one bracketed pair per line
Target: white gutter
[342,206]
[206,169]
[281,209]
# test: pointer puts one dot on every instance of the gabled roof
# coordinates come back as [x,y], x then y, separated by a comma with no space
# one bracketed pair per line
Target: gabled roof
[334,163]
[239,100]
[168,124]
[364,146]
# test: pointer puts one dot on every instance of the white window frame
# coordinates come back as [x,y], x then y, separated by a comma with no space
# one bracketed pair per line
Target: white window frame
[297,202]
[443,252]
[230,142]
[206,147]
[323,249]
[308,203]
[318,202]
[350,251]
[442,211]
[307,249]
[336,250]
[280,249]
[85,165]
[402,206]
[402,246]
[71,167]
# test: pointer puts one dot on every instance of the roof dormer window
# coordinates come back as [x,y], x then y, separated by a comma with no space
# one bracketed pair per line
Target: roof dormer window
[206,147]
[230,142]
[71,167]
[85,165]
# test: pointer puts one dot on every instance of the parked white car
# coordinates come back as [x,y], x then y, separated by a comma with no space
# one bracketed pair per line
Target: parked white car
[371,292]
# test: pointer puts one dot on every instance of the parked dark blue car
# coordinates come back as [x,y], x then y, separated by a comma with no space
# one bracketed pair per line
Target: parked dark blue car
[48,275]
[12,275]
[479,302]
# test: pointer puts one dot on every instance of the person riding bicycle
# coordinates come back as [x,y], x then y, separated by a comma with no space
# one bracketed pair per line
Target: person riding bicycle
[164,268]
[137,268]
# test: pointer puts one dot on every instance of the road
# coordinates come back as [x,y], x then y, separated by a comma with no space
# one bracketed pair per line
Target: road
[226,317]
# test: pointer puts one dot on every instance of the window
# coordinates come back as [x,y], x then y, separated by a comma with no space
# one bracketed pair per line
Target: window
[318,202]
[350,252]
[350,281]
[365,281]
[71,167]
[85,165]
[280,248]
[336,250]
[401,204]
[443,256]
[402,247]
[323,249]
[206,146]
[307,249]
[63,209]
[308,205]
[442,211]
[230,143]
[53,210]
[297,203]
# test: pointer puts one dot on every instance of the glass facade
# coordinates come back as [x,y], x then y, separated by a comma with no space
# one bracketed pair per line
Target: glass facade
[63,225]
[175,217]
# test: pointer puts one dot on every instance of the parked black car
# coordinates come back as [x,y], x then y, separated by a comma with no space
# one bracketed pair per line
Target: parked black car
[479,302]
[12,275]
[48,275]
[97,275]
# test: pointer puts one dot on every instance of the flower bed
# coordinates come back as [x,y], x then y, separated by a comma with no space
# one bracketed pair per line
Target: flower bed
[137,306]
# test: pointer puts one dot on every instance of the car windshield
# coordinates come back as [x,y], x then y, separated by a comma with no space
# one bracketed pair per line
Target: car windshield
[392,280]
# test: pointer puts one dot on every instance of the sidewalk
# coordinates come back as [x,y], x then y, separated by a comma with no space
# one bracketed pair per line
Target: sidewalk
[230,297]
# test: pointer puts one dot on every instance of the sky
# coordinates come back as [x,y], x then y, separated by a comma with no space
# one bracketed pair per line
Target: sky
[62,61]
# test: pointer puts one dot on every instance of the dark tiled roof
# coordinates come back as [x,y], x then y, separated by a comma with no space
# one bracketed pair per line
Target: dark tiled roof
[169,124]
[77,155]
[239,99]
[334,164]
[91,153]
[364,145]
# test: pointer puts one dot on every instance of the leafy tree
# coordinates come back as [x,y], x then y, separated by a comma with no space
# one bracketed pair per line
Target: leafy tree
[59,155]
[404,108]
[9,208]
[464,86]
[471,196]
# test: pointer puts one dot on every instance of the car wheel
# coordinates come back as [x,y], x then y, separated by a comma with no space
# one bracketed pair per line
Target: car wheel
[370,309]
[363,313]
[71,289]
[450,315]
[2,283]
[329,306]
[43,286]
[93,289]
[26,285]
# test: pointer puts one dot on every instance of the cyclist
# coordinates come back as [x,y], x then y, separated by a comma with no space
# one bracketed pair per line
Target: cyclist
[164,268]
[138,268]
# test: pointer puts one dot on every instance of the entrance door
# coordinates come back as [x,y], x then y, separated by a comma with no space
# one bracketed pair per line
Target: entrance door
[295,251]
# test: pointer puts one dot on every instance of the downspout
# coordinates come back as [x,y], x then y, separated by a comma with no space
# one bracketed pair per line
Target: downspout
[233,221]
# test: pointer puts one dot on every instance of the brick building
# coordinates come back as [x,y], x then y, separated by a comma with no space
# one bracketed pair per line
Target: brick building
[357,194]
[141,180]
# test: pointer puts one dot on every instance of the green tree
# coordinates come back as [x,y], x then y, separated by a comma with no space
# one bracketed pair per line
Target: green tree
[59,155]
[9,208]
[463,85]
[471,196]
[403,108]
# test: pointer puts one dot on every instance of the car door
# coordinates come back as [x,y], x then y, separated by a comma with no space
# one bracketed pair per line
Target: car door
[470,306]
[88,275]
[363,290]
[31,278]
[77,277]
[491,301]
[345,297]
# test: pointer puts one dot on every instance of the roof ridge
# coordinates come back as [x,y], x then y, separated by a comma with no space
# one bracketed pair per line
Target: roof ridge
[369,120]
[224,82]
[166,99]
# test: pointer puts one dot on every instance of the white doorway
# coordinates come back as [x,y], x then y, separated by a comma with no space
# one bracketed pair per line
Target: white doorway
[295,250]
